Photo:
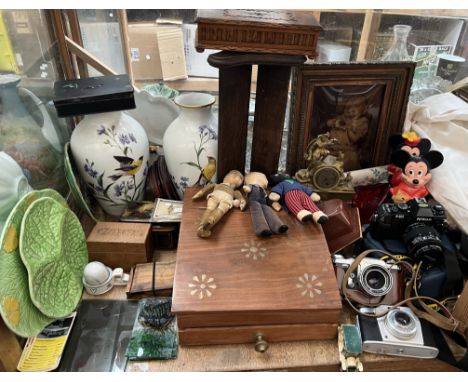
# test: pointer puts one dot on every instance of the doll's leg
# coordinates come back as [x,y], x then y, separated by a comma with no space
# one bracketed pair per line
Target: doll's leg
[319,216]
[211,205]
[223,207]
[293,200]
[258,220]
[204,227]
[274,222]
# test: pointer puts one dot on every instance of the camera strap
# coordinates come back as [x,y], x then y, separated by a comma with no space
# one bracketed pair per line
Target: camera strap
[448,322]
[445,353]
[454,277]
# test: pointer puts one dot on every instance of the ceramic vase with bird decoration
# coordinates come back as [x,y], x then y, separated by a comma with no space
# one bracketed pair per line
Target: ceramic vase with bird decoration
[190,142]
[111,151]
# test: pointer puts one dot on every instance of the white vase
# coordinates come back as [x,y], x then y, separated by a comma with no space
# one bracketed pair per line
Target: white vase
[191,142]
[13,185]
[111,152]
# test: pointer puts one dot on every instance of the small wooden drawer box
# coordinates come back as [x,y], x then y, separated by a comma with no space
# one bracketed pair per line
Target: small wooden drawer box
[260,31]
[234,286]
[120,244]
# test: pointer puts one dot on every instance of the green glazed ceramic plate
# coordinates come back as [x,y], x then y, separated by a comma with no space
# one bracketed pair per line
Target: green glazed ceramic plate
[16,307]
[53,249]
[82,198]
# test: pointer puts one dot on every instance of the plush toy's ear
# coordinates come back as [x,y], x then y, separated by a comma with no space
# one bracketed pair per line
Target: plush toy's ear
[395,140]
[424,146]
[400,158]
[433,158]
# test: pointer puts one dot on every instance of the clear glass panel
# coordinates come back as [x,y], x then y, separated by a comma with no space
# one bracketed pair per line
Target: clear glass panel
[31,135]
[100,32]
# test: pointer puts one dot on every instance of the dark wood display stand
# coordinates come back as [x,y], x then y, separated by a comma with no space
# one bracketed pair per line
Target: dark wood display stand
[235,70]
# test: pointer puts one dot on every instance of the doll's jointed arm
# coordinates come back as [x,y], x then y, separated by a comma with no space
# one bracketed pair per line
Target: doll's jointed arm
[239,198]
[204,191]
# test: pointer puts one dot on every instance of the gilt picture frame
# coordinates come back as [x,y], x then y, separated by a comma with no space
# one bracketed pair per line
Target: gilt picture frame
[359,104]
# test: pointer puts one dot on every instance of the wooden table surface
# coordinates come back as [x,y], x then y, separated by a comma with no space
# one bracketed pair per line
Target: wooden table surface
[297,356]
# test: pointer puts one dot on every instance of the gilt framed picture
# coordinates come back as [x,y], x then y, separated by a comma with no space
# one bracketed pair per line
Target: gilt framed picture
[359,104]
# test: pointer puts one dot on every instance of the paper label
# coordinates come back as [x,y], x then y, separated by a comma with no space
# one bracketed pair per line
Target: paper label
[135,54]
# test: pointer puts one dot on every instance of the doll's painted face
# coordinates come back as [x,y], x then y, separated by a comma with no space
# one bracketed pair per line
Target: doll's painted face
[234,178]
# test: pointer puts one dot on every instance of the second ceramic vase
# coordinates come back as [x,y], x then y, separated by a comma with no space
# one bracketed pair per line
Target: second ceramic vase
[111,152]
[191,142]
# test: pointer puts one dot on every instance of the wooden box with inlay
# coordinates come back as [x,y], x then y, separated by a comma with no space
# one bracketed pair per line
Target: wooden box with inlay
[261,31]
[235,287]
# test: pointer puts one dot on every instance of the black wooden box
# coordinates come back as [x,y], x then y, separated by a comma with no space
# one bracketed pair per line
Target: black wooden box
[93,95]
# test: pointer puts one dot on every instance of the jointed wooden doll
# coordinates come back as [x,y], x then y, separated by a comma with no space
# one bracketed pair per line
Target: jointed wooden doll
[298,199]
[220,199]
[264,219]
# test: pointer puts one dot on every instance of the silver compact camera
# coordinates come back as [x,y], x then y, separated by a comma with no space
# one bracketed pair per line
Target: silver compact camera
[374,280]
[400,332]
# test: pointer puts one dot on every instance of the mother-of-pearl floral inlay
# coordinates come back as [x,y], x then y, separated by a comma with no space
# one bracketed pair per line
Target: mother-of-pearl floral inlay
[202,286]
[254,250]
[310,285]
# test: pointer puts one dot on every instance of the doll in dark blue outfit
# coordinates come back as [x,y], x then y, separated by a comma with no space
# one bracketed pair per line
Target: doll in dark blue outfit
[264,219]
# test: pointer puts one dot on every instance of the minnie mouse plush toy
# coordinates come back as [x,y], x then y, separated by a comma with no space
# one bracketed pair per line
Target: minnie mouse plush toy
[415,174]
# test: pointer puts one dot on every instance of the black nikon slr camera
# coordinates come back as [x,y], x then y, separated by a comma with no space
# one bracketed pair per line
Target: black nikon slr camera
[417,222]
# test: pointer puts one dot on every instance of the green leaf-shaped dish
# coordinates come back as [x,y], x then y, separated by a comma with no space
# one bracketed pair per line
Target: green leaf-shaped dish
[16,307]
[53,249]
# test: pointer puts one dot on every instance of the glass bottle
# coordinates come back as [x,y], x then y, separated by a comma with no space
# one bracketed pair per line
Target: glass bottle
[398,50]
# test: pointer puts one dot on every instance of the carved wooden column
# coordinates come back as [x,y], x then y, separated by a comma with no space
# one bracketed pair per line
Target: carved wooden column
[271,100]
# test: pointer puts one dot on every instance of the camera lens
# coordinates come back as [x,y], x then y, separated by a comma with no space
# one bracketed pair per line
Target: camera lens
[423,243]
[401,324]
[402,318]
[376,280]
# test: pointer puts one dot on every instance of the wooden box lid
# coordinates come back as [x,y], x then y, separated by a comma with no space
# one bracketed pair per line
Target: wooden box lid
[119,237]
[260,17]
[235,278]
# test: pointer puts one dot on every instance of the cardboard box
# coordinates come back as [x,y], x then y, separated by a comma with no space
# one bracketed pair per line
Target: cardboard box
[197,62]
[144,52]
[157,51]
[120,244]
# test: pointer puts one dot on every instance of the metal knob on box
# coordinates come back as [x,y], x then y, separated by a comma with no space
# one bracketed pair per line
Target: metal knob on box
[261,345]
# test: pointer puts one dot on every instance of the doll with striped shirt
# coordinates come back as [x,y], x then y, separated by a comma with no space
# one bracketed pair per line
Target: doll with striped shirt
[297,198]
